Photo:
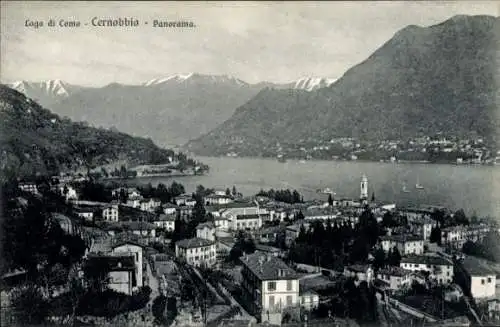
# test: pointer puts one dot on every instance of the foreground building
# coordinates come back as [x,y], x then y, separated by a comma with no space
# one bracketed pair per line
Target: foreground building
[406,244]
[196,252]
[269,285]
[437,267]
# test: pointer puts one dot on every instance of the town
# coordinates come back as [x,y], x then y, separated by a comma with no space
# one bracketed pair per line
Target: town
[425,149]
[100,253]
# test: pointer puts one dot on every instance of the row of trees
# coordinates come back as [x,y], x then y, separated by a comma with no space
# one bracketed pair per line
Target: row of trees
[286,196]
[337,243]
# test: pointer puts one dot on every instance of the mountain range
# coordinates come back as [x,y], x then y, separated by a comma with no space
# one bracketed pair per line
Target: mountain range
[33,140]
[170,110]
[424,80]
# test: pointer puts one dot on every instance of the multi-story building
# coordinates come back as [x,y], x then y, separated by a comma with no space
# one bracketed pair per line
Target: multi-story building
[206,231]
[439,268]
[360,272]
[218,199]
[423,227]
[28,187]
[269,284]
[166,221]
[395,277]
[456,236]
[247,222]
[149,204]
[221,223]
[86,213]
[68,192]
[110,212]
[185,200]
[406,244]
[196,252]
[169,208]
[482,278]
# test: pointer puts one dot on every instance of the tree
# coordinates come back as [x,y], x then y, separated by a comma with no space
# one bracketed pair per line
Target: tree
[394,257]
[330,200]
[435,236]
[228,192]
[460,218]
[234,191]
[373,197]
[300,215]
[380,259]
[29,305]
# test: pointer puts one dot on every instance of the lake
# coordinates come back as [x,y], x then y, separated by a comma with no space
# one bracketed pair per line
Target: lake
[476,189]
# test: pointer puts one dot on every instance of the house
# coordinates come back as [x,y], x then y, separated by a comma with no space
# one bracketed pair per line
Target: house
[456,236]
[131,192]
[139,228]
[309,300]
[196,251]
[136,251]
[481,277]
[268,250]
[221,223]
[149,204]
[269,234]
[28,187]
[406,244]
[293,231]
[69,192]
[438,268]
[422,227]
[166,222]
[320,214]
[121,277]
[218,199]
[360,272]
[206,231]
[247,222]
[110,212]
[169,208]
[185,200]
[134,201]
[269,285]
[86,213]
[395,277]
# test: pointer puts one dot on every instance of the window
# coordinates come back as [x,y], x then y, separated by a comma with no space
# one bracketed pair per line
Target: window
[288,285]
[271,300]
[289,300]
[489,279]
[482,281]
[271,286]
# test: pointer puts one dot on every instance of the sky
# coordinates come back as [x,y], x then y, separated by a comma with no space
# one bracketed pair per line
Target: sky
[267,41]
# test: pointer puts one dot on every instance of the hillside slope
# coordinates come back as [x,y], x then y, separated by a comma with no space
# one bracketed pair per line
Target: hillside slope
[34,140]
[423,81]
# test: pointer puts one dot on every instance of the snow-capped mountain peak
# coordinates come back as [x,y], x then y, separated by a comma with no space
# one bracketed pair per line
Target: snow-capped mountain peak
[313,83]
[181,78]
[49,87]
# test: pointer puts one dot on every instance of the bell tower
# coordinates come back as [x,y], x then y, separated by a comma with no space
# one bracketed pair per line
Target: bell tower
[364,188]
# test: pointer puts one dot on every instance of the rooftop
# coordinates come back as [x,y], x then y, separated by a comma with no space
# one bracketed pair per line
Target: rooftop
[358,268]
[402,238]
[394,271]
[207,224]
[193,243]
[478,267]
[253,216]
[164,217]
[268,267]
[426,259]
